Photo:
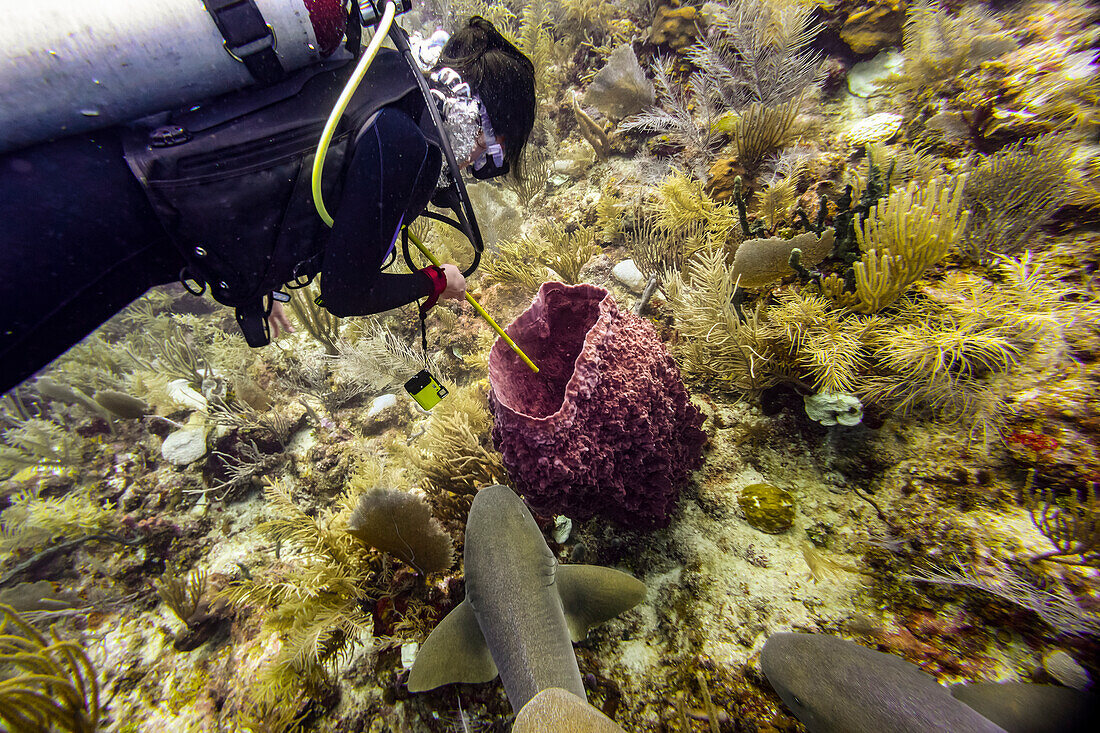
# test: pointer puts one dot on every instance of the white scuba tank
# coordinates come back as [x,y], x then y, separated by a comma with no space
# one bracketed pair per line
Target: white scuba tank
[68,66]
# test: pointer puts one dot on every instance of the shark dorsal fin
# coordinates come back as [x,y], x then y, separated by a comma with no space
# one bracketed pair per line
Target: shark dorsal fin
[591,595]
[455,651]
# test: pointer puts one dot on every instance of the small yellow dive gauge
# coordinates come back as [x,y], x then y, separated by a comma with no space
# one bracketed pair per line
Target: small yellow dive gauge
[425,390]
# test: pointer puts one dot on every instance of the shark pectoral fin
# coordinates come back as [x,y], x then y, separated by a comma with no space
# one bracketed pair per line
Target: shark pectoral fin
[591,595]
[455,651]
[555,710]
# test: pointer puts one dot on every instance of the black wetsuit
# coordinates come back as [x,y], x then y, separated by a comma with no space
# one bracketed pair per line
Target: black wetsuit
[79,239]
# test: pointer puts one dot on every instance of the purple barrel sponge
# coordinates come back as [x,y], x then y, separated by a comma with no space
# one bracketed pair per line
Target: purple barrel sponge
[605,428]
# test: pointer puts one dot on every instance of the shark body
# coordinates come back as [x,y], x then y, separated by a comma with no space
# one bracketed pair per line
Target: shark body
[837,686]
[522,609]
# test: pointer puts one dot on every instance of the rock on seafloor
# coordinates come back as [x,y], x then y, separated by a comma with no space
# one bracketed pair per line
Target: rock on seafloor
[627,273]
[185,446]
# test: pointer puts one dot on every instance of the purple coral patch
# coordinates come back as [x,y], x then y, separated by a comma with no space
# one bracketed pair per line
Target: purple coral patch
[606,427]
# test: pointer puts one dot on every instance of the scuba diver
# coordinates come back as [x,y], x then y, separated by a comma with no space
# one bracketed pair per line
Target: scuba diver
[218,195]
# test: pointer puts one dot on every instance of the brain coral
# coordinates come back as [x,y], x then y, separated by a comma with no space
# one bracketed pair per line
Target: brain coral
[605,427]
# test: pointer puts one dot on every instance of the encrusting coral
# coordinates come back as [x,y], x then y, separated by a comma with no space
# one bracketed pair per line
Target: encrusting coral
[606,426]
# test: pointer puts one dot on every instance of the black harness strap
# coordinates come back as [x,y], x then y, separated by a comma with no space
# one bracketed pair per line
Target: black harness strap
[248,38]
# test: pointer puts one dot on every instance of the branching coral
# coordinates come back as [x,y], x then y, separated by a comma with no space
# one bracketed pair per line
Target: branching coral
[176,355]
[271,424]
[657,251]
[236,471]
[535,167]
[899,166]
[318,322]
[610,211]
[762,129]
[938,45]
[32,521]
[455,453]
[903,236]
[951,350]
[38,442]
[266,709]
[824,343]
[516,261]
[759,51]
[49,683]
[536,41]
[681,203]
[592,131]
[566,253]
[182,596]
[931,362]
[1012,193]
[675,115]
[1071,523]
[775,201]
[318,603]
[1056,607]
[718,346]
[93,364]
[379,359]
[524,259]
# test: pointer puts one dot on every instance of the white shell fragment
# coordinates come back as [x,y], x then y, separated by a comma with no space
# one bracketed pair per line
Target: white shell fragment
[627,273]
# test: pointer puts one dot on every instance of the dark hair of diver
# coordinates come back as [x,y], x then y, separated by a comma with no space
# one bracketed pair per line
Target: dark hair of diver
[502,76]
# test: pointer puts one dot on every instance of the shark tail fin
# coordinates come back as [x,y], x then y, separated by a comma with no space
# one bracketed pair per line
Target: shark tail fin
[455,651]
[591,595]
[555,710]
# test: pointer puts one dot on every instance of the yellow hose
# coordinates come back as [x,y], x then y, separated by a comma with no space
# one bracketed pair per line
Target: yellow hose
[342,103]
[480,311]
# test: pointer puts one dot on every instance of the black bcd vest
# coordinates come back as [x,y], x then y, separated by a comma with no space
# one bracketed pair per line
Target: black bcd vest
[230,180]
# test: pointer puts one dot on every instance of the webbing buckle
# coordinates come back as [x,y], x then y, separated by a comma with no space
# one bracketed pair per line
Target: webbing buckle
[260,44]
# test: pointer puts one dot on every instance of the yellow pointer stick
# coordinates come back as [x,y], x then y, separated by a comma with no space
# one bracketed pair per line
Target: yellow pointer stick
[477,306]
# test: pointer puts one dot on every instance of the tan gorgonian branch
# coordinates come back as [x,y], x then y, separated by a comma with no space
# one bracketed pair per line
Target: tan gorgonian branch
[717,345]
[763,129]
[318,322]
[182,596]
[903,236]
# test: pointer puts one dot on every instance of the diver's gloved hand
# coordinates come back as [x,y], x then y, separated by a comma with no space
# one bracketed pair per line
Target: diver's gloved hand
[456,283]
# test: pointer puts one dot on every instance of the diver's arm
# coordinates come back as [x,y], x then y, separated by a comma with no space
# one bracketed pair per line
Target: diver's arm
[392,174]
